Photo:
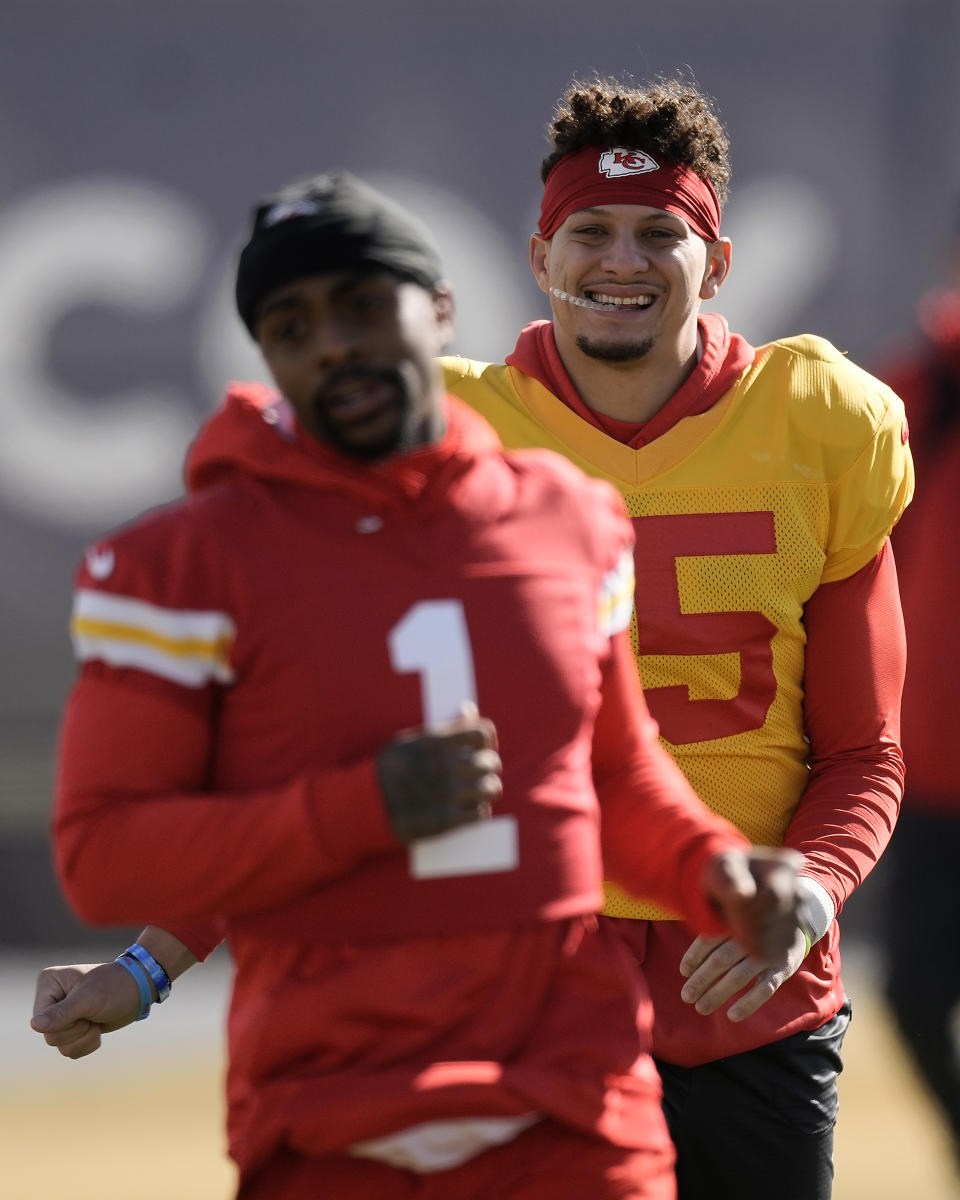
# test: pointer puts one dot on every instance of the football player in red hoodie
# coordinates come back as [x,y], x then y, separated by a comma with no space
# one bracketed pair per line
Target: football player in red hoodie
[276,735]
[923,911]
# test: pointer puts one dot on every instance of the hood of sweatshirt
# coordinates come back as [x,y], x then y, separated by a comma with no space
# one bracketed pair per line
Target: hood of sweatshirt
[255,433]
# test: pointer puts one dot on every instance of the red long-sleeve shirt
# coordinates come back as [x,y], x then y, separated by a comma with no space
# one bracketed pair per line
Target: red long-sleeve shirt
[247,651]
[927,376]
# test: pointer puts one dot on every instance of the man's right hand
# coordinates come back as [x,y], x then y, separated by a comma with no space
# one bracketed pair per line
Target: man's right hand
[442,777]
[74,1006]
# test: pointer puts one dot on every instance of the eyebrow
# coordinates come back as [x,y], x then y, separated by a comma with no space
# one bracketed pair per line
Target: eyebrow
[278,304]
[291,299]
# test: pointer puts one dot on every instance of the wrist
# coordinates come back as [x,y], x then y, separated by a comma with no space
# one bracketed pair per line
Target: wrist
[158,977]
[817,911]
[171,953]
[142,981]
[153,982]
[807,941]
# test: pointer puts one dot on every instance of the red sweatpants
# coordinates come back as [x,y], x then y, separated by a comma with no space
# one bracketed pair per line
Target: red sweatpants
[545,1162]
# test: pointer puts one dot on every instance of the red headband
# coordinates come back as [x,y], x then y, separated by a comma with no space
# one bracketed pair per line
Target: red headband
[593,176]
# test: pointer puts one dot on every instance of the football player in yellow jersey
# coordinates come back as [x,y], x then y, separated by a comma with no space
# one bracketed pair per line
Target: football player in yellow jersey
[763,483]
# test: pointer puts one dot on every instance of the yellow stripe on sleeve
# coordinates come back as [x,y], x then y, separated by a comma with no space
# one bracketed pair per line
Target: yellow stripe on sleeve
[187,646]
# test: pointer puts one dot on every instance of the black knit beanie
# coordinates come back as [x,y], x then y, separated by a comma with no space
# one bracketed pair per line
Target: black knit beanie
[331,222]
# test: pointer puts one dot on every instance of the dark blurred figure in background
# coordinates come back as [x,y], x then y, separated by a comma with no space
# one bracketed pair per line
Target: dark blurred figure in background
[922,930]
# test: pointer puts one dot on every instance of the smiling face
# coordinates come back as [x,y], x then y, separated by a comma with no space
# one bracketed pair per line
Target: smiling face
[353,352]
[632,279]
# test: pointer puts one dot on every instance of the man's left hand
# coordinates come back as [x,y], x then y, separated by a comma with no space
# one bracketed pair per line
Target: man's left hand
[718,968]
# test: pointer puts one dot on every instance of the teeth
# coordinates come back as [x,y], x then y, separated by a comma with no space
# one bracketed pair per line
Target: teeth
[577,300]
[624,301]
[603,303]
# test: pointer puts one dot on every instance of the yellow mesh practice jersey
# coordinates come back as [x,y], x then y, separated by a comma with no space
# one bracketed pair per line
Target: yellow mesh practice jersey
[793,478]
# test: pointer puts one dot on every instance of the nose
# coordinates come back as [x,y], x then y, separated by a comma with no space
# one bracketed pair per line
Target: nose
[336,342]
[624,256]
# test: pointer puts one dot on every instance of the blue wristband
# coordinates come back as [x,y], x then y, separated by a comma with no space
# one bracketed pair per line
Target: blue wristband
[159,977]
[142,982]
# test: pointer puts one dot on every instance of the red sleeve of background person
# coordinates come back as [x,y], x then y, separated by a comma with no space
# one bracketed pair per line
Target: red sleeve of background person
[927,378]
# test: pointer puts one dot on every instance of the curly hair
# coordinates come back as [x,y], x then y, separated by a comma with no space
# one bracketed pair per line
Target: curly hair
[671,117]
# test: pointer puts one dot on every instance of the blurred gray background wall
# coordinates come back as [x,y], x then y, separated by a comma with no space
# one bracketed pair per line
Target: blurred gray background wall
[134,138]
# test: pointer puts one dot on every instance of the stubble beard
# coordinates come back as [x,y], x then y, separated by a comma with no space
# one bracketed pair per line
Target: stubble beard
[399,437]
[615,352]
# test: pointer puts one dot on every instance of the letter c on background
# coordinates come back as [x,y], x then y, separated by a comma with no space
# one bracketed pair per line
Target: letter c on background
[137,247]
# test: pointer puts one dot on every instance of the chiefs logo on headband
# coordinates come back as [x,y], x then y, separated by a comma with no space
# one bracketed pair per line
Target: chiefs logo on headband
[615,163]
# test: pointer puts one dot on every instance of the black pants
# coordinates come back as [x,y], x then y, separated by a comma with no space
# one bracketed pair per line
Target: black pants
[759,1125]
[921,935]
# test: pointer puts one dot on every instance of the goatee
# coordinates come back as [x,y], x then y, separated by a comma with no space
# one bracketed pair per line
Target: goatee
[615,352]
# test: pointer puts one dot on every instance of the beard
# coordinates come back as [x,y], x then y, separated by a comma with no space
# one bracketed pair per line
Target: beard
[343,437]
[615,352]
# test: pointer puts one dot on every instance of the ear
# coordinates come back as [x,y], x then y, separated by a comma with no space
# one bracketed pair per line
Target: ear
[444,307]
[540,261]
[717,266]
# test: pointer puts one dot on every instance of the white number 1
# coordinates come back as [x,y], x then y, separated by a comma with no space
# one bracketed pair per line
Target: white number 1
[432,639]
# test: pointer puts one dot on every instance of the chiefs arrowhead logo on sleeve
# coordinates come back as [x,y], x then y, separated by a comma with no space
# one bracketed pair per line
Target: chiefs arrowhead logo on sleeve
[616,595]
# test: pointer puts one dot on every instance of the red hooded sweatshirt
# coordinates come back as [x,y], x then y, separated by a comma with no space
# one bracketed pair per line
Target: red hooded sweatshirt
[247,651]
[926,375]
